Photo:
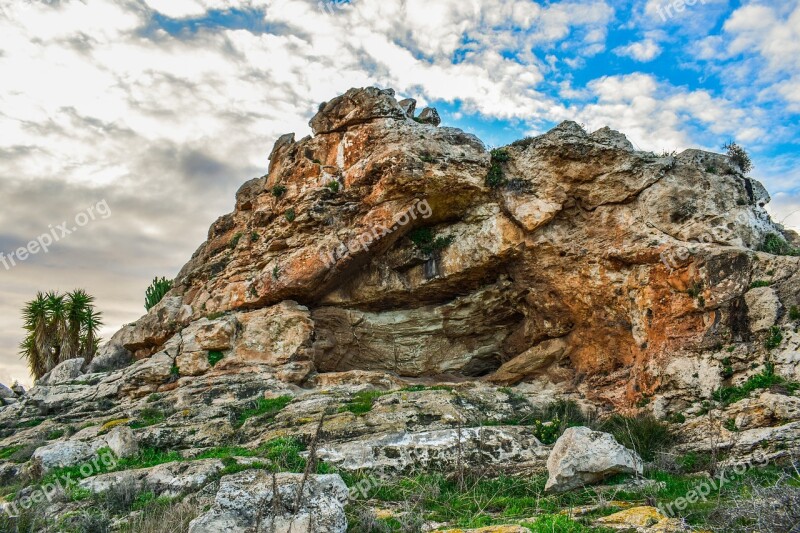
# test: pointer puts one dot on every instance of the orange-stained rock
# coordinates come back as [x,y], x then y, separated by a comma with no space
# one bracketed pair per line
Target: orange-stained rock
[617,273]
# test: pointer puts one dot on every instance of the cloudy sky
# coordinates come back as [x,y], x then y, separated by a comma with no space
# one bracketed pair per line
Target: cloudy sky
[160,109]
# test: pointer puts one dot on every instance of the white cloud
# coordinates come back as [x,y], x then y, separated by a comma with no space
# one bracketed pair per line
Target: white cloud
[644,51]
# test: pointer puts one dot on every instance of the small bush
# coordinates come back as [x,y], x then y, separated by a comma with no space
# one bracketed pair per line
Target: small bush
[738,156]
[727,369]
[523,143]
[774,338]
[156,292]
[235,240]
[695,290]
[794,313]
[495,178]
[254,236]
[290,215]
[776,245]
[278,191]
[760,283]
[214,357]
[642,433]
[333,185]
[424,240]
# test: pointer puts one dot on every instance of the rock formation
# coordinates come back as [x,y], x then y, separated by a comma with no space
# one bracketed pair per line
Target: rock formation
[385,254]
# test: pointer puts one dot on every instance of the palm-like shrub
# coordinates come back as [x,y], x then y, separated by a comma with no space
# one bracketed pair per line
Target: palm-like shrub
[156,291]
[59,327]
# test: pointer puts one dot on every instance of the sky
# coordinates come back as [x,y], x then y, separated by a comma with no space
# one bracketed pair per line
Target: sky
[135,121]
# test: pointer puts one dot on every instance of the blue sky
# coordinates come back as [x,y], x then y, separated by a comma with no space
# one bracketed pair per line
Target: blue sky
[162,108]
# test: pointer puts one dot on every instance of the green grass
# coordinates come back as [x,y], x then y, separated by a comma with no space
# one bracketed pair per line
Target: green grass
[361,402]
[32,423]
[764,380]
[760,283]
[214,357]
[8,451]
[263,407]
[774,339]
[483,501]
[148,416]
[56,434]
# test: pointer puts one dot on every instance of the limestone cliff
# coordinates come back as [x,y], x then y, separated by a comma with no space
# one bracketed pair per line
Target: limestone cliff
[591,265]
[390,280]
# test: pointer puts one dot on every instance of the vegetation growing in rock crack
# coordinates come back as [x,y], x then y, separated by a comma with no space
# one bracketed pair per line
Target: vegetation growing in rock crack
[495,178]
[235,240]
[59,327]
[765,379]
[156,292]
[333,185]
[738,156]
[290,214]
[214,357]
[278,191]
[427,242]
[264,407]
[776,245]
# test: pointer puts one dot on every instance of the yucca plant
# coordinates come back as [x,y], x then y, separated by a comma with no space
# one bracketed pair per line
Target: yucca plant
[59,327]
[156,291]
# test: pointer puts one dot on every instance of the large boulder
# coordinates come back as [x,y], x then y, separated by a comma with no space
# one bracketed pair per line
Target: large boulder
[168,479]
[354,107]
[246,502]
[582,456]
[63,372]
[439,450]
[119,440]
[6,393]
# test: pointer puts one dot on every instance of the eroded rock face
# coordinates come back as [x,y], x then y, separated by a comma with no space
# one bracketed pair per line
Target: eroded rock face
[377,245]
[582,457]
[511,448]
[247,502]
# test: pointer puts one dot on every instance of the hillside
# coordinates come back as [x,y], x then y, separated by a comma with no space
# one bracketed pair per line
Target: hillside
[420,319]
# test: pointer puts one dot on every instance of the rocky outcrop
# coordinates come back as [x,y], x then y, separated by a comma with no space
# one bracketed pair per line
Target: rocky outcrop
[395,279]
[258,501]
[509,448]
[588,264]
[582,457]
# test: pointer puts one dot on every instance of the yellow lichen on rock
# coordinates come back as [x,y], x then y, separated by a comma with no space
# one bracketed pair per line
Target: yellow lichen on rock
[643,519]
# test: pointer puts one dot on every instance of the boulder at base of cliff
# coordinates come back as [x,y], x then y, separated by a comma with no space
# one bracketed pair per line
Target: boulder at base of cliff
[246,502]
[582,456]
